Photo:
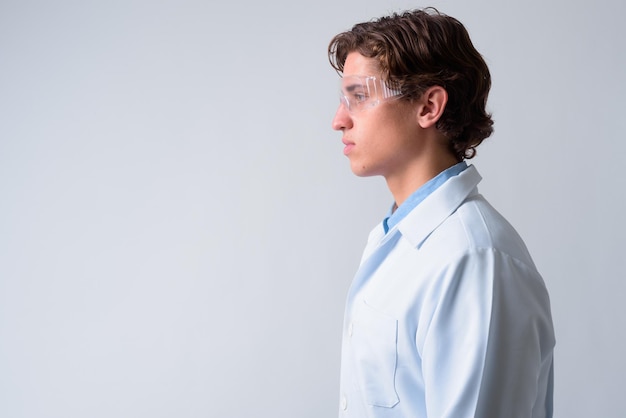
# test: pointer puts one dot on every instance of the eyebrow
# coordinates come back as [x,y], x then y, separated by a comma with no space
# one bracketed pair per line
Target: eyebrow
[351,87]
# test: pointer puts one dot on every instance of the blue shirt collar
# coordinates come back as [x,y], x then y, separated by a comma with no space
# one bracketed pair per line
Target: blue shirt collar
[419,195]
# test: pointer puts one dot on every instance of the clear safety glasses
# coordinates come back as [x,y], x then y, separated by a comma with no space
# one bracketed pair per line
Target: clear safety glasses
[361,92]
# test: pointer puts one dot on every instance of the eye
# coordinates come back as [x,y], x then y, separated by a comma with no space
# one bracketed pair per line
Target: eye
[360,97]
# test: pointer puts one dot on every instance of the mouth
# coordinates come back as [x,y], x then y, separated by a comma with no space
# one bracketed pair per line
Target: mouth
[348,146]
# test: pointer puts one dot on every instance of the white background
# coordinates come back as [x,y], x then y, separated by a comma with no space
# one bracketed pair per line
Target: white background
[179,227]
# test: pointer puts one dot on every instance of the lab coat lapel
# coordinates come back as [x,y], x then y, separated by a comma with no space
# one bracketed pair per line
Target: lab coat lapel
[378,247]
[416,226]
[438,206]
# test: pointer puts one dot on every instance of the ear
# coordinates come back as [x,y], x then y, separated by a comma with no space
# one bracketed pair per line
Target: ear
[432,105]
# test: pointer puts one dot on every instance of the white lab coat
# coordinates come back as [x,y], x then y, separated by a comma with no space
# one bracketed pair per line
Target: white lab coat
[447,316]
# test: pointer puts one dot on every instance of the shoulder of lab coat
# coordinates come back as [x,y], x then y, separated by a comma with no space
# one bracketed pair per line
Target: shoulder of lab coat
[485,330]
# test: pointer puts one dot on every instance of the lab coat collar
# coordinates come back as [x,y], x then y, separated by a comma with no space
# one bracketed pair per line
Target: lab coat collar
[438,206]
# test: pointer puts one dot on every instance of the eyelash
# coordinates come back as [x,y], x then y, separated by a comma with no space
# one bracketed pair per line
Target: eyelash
[359,97]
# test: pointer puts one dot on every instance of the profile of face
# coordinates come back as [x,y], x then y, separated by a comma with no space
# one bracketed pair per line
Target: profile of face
[380,133]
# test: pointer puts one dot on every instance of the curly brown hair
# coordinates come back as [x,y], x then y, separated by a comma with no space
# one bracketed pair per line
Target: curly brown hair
[419,49]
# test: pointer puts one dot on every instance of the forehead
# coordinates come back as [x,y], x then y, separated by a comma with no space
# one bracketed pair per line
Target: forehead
[357,64]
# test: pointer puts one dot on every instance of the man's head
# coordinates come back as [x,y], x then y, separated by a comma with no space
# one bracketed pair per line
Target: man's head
[420,49]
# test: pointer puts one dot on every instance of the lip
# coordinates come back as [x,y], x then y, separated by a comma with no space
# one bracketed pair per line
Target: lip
[348,146]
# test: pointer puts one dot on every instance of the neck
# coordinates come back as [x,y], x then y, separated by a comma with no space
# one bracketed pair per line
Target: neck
[402,185]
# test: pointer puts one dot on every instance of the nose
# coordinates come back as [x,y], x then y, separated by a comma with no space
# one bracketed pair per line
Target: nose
[342,119]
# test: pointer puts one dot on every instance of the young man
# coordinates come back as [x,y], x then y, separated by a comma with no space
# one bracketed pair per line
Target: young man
[447,315]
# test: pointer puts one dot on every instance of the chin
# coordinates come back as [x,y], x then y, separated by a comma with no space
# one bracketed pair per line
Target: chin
[361,171]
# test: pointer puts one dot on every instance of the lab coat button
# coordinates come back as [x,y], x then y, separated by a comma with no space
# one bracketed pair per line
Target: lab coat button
[350,329]
[344,402]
